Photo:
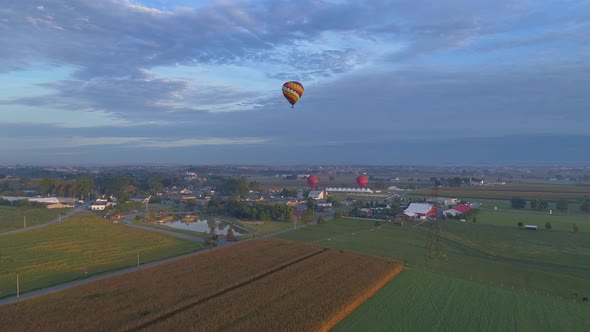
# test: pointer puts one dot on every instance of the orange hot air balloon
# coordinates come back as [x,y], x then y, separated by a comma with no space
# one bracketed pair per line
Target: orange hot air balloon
[292,91]
[362,180]
[312,181]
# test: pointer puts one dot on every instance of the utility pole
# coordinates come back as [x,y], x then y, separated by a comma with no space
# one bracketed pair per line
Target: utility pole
[24,222]
[17,287]
[137,257]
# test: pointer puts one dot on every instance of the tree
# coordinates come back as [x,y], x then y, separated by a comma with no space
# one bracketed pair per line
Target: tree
[307,216]
[547,225]
[575,228]
[517,203]
[230,235]
[321,220]
[46,186]
[520,224]
[585,206]
[562,205]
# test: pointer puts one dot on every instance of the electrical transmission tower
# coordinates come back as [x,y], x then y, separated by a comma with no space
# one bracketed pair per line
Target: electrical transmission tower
[435,245]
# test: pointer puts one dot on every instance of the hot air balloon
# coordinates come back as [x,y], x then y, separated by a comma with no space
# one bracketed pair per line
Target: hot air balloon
[362,180]
[312,181]
[292,90]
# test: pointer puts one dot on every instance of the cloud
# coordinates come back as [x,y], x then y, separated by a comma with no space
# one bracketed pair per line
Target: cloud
[375,72]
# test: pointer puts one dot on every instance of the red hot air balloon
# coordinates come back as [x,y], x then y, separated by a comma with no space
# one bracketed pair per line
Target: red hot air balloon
[362,180]
[312,180]
[292,91]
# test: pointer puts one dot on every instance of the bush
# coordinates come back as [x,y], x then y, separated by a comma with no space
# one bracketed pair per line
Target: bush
[520,224]
[547,225]
[575,228]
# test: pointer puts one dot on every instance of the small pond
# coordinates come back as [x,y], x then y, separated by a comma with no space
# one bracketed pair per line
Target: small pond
[205,226]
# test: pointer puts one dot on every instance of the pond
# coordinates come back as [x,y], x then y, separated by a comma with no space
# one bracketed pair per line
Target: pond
[205,226]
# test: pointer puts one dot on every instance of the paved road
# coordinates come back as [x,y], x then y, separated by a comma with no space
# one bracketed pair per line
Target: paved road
[81,208]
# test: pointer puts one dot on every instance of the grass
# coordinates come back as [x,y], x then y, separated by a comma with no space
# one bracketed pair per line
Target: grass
[11,218]
[511,218]
[554,264]
[266,227]
[423,301]
[81,246]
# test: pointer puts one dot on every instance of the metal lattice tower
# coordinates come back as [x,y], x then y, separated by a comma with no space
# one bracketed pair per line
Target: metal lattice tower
[435,245]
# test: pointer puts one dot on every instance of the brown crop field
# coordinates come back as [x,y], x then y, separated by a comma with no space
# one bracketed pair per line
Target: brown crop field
[527,191]
[263,285]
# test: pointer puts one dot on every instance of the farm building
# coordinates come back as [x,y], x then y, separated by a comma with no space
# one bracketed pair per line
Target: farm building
[419,210]
[459,209]
[530,227]
[350,190]
[317,194]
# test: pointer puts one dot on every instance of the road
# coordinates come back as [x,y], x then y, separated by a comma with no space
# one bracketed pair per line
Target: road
[81,208]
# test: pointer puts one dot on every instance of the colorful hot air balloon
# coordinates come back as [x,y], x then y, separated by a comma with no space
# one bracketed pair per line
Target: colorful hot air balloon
[292,90]
[362,180]
[312,181]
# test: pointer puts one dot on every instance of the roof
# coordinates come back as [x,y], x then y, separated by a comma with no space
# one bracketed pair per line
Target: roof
[418,208]
[462,208]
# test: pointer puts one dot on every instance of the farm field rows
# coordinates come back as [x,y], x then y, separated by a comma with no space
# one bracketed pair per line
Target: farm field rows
[11,218]
[424,301]
[526,191]
[80,246]
[554,264]
[249,286]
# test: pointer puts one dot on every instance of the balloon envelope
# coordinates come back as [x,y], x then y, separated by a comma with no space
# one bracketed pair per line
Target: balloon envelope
[292,91]
[362,180]
[312,180]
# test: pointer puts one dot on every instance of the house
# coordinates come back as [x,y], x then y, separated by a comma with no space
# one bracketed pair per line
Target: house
[420,210]
[98,206]
[324,206]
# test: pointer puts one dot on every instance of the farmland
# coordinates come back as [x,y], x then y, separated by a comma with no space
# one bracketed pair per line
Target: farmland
[527,191]
[249,286]
[480,259]
[425,301]
[78,247]
[12,218]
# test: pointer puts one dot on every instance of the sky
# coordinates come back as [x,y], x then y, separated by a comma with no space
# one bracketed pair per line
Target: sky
[386,82]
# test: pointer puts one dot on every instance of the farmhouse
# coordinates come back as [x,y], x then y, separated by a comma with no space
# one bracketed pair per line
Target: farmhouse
[419,210]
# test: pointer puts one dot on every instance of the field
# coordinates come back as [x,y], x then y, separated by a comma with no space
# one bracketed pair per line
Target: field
[511,219]
[11,218]
[526,191]
[265,285]
[424,301]
[552,266]
[80,246]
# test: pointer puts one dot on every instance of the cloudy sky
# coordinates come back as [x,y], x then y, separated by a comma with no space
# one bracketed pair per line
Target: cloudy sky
[386,82]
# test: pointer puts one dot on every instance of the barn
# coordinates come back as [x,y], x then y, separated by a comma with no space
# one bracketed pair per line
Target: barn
[420,210]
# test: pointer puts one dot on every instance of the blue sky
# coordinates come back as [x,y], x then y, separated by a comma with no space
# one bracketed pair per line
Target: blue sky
[386,82]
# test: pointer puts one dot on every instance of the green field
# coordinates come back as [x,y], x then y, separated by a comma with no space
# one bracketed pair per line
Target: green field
[12,218]
[487,258]
[81,246]
[423,301]
[511,219]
